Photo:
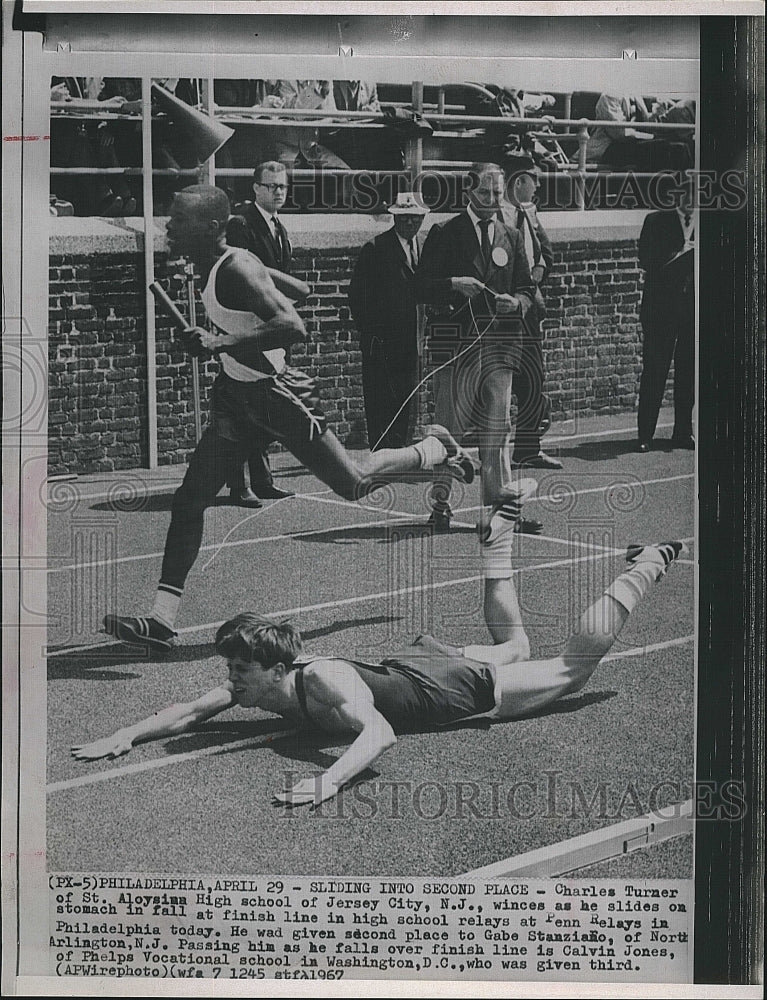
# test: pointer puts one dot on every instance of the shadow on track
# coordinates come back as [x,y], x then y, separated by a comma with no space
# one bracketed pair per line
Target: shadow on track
[103,659]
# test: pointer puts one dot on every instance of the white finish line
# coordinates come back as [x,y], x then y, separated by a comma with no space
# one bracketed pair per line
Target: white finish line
[391,515]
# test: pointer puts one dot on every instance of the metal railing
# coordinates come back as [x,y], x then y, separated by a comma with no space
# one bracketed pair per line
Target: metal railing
[575,130]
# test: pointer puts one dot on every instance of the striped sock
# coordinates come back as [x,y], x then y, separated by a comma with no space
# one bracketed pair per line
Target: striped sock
[166,604]
[631,586]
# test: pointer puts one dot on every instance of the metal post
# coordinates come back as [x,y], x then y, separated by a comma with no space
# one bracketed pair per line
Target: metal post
[148,194]
[568,104]
[414,144]
[208,169]
[192,313]
[580,183]
[441,101]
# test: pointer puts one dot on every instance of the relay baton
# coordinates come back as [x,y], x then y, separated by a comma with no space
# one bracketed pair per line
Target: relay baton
[162,298]
[179,320]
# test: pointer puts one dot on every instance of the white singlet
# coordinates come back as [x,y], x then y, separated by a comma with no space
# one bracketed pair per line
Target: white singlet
[237,321]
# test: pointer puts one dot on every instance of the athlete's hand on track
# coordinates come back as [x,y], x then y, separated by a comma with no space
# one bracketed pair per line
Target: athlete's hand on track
[308,791]
[116,745]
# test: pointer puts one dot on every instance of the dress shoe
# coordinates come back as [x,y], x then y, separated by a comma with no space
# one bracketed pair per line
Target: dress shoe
[245,498]
[272,492]
[644,446]
[143,631]
[539,461]
[686,441]
[439,520]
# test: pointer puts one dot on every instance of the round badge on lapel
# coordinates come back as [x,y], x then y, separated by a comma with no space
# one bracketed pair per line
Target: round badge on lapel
[500,257]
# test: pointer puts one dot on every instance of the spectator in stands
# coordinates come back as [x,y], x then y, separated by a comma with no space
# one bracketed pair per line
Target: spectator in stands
[625,147]
[533,406]
[88,144]
[299,146]
[249,144]
[616,146]
[676,151]
[374,148]
[356,95]
[384,308]
[535,105]
[259,229]
[251,94]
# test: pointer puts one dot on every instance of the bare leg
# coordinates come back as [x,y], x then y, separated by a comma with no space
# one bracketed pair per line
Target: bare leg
[504,618]
[354,477]
[495,434]
[522,688]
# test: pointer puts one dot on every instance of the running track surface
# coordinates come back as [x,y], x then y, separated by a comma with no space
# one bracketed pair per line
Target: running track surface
[362,579]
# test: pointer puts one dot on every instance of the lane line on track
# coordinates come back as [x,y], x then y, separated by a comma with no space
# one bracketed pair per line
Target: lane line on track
[363,598]
[286,536]
[599,489]
[150,765]
[283,537]
[556,439]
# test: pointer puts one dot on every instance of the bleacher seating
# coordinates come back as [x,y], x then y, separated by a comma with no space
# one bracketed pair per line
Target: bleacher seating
[469,121]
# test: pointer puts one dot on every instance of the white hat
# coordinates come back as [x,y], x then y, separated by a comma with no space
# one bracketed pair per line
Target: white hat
[408,203]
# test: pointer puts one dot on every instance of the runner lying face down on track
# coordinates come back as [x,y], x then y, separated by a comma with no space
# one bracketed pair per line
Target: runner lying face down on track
[424,685]
[256,399]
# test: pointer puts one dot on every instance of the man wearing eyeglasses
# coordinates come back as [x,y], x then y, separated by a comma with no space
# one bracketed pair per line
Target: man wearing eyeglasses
[259,229]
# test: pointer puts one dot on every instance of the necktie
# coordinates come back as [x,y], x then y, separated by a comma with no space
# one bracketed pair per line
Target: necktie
[413,254]
[279,240]
[484,244]
[527,236]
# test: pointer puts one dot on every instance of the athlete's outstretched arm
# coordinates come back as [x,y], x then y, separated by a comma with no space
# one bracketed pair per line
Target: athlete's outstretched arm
[290,286]
[169,721]
[337,686]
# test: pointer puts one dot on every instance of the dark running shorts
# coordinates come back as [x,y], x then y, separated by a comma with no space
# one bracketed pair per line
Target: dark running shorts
[282,407]
[426,684]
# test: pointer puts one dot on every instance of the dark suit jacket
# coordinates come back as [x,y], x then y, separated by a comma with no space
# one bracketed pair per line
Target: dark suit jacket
[251,230]
[669,288]
[452,250]
[381,296]
[543,255]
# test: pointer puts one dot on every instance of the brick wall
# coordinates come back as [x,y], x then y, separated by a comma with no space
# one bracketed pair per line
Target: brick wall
[97,357]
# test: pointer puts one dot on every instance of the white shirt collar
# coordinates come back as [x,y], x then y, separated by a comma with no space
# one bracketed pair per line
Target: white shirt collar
[265,214]
[476,220]
[405,243]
